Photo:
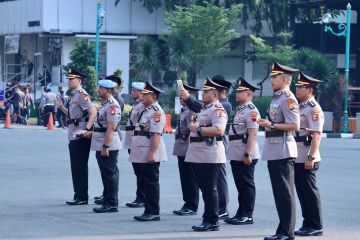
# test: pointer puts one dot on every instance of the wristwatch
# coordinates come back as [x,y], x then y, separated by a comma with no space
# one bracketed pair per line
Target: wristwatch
[247,154]
[198,131]
[272,126]
[310,158]
[105,146]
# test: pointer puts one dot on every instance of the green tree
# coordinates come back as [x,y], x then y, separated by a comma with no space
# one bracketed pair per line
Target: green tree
[317,65]
[276,14]
[90,83]
[82,57]
[207,29]
[178,52]
[312,63]
[147,50]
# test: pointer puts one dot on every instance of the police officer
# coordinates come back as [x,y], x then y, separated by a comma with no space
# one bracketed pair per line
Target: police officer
[223,188]
[116,90]
[117,96]
[47,105]
[280,148]
[81,115]
[308,160]
[148,150]
[136,94]
[243,152]
[189,187]
[106,142]
[206,152]
[195,106]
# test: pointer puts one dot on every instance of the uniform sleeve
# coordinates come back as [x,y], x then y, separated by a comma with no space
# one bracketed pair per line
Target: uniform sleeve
[219,117]
[194,104]
[315,118]
[228,108]
[157,122]
[251,118]
[113,113]
[84,101]
[290,109]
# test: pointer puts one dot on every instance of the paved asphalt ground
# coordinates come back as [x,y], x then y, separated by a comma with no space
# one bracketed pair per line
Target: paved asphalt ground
[35,182]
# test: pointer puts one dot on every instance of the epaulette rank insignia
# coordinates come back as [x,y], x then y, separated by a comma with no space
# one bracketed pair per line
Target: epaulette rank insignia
[278,93]
[218,105]
[251,106]
[312,104]
[156,108]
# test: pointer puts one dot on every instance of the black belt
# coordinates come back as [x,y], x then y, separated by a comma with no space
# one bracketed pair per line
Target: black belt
[307,138]
[238,137]
[76,121]
[142,133]
[276,134]
[129,128]
[100,129]
[203,139]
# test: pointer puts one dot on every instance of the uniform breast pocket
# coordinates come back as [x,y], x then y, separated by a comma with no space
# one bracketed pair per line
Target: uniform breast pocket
[143,142]
[276,140]
[236,143]
[203,120]
[274,112]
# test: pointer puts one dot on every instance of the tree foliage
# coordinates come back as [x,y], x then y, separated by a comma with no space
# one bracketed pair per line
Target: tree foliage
[146,48]
[253,15]
[310,62]
[206,31]
[82,58]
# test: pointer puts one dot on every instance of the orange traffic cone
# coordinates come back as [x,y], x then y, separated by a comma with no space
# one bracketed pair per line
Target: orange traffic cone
[50,125]
[168,128]
[7,120]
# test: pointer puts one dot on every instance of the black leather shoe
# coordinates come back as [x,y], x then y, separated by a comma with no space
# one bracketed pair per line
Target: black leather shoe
[224,215]
[311,232]
[99,197]
[297,232]
[146,217]
[279,237]
[77,202]
[203,227]
[135,204]
[184,212]
[99,201]
[105,209]
[239,220]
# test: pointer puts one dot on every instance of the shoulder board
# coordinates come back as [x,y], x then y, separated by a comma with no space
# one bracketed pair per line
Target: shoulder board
[312,104]
[156,108]
[209,106]
[111,101]
[218,105]
[82,92]
[251,106]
